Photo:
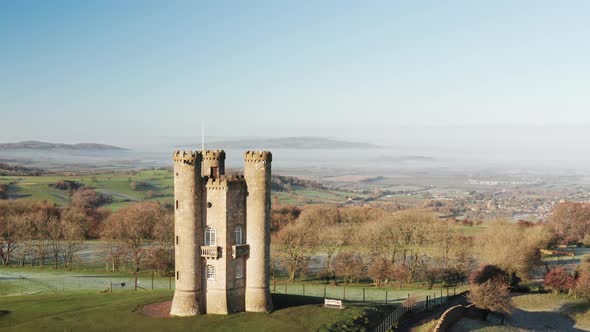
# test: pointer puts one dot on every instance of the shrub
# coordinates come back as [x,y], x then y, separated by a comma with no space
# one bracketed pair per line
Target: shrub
[486,273]
[451,277]
[582,285]
[493,295]
[559,280]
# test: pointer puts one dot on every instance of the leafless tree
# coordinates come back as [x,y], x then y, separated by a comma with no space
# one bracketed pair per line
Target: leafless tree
[133,226]
[74,225]
[296,245]
[350,266]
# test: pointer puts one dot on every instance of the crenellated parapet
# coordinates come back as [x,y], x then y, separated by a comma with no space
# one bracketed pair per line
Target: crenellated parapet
[258,156]
[225,181]
[213,154]
[187,157]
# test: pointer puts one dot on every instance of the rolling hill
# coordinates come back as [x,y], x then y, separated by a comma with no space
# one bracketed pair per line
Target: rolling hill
[38,145]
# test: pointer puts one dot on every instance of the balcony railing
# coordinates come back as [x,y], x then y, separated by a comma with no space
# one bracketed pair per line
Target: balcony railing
[210,252]
[240,250]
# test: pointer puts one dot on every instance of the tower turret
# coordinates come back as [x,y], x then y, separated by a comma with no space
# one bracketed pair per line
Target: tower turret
[257,172]
[188,192]
[213,163]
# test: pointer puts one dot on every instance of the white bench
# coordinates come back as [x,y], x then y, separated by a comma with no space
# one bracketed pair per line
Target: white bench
[335,304]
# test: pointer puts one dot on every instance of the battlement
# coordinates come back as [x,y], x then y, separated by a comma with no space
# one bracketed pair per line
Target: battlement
[187,157]
[224,181]
[213,154]
[255,156]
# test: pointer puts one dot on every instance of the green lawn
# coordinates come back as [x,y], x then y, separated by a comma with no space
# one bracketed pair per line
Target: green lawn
[576,309]
[311,196]
[121,312]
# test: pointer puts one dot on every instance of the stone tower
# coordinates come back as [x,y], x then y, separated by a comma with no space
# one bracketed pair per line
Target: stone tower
[222,234]
[213,163]
[188,194]
[257,171]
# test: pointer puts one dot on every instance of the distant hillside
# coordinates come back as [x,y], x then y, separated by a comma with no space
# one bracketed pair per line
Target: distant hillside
[292,143]
[37,145]
[289,183]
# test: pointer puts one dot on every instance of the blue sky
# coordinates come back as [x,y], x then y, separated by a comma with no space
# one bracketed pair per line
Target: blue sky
[119,70]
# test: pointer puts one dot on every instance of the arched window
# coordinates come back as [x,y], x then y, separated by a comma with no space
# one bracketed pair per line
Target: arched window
[210,272]
[239,268]
[238,235]
[210,236]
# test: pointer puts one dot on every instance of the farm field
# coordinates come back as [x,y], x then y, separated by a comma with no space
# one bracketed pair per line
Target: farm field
[131,186]
[122,312]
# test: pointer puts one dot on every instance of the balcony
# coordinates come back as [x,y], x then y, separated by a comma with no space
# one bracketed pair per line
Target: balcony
[210,252]
[240,250]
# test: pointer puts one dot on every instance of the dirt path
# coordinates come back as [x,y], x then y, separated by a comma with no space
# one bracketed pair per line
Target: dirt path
[159,310]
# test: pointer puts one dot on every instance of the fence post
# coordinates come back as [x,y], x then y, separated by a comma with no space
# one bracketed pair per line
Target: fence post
[324,292]
[427,298]
[386,296]
[344,297]
[363,294]
[111,286]
[441,296]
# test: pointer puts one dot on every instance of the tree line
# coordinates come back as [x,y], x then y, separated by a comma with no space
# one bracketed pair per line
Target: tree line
[357,243]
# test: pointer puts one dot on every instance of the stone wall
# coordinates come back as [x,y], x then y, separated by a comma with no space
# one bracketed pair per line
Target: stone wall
[449,317]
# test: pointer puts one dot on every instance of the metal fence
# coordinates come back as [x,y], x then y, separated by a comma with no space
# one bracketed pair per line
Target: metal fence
[393,318]
[48,282]
[364,294]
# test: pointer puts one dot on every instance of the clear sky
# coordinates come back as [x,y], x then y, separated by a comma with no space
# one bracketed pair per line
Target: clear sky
[108,70]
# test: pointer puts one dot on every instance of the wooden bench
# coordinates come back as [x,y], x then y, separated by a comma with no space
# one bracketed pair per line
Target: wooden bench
[334,304]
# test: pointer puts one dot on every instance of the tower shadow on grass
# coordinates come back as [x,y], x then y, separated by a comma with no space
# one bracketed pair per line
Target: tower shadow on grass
[283,301]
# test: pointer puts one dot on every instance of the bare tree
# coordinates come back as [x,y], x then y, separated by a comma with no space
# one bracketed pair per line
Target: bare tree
[511,248]
[74,225]
[572,220]
[54,235]
[350,266]
[297,244]
[379,270]
[133,227]
[8,235]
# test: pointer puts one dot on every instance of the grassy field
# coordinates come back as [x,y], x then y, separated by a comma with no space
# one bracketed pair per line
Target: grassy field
[576,309]
[117,185]
[122,312]
[537,312]
[37,281]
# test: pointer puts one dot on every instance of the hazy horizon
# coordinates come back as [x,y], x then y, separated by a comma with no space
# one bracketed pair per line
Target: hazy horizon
[494,83]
